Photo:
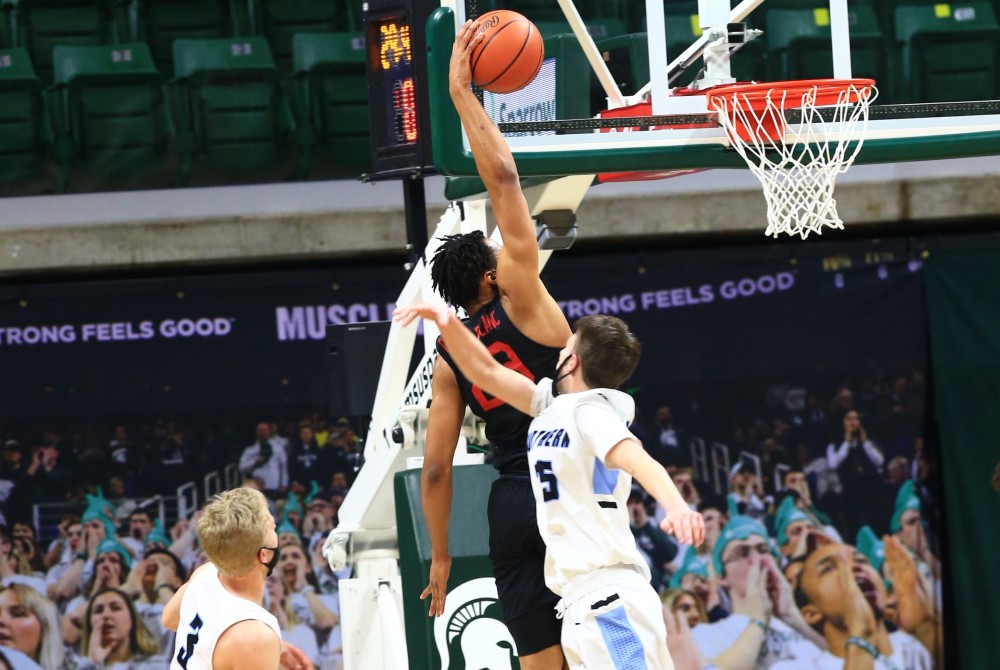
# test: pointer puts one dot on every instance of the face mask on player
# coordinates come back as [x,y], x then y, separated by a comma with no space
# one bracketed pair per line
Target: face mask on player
[276,552]
[560,377]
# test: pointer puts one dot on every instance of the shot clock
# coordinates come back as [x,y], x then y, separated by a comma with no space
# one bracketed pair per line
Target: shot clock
[397,86]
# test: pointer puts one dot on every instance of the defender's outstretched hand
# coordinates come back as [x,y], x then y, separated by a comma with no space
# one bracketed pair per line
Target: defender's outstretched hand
[293,658]
[685,524]
[437,312]
[460,68]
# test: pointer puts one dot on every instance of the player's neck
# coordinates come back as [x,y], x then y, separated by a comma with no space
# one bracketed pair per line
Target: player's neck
[487,294]
[249,587]
[572,384]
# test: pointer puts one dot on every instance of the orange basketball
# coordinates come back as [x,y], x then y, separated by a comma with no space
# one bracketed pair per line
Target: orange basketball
[510,53]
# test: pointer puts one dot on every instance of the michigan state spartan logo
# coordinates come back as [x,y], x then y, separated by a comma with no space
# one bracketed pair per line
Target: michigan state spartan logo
[470,634]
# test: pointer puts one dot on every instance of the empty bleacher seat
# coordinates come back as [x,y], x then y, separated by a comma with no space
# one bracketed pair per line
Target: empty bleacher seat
[886,10]
[330,97]
[798,43]
[24,131]
[110,117]
[46,24]
[280,20]
[949,51]
[160,22]
[230,114]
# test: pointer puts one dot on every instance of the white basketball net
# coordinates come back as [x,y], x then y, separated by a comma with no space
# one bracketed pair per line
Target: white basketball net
[798,173]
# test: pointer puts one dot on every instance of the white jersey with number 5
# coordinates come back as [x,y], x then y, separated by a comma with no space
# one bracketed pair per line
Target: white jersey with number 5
[581,503]
[207,611]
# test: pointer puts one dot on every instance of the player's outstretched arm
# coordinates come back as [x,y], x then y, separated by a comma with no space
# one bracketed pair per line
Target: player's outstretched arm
[171,615]
[532,308]
[444,423]
[683,523]
[472,358]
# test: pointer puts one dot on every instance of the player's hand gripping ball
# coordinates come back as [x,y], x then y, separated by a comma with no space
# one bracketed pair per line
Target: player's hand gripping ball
[510,53]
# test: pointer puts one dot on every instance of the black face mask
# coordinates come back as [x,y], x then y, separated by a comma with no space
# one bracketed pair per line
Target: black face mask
[276,552]
[555,382]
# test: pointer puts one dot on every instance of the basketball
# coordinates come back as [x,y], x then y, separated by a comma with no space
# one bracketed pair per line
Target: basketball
[510,53]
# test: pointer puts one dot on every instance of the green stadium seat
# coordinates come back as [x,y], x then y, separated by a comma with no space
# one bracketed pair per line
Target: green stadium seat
[886,10]
[111,124]
[160,22]
[46,24]
[329,95]
[230,114]
[25,134]
[798,43]
[280,20]
[949,52]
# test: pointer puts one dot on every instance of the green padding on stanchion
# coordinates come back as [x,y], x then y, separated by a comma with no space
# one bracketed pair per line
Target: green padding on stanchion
[469,599]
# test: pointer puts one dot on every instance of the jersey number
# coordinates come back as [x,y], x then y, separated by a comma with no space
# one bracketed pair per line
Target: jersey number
[550,487]
[184,655]
[513,362]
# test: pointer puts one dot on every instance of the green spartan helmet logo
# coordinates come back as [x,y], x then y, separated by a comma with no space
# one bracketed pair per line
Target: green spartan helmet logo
[471,635]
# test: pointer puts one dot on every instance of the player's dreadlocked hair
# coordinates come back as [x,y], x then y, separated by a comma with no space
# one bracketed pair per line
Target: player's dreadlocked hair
[458,264]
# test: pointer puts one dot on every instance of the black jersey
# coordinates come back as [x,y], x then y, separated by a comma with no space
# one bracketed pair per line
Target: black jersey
[506,427]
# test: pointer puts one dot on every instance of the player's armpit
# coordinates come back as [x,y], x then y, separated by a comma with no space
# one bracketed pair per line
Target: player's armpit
[480,368]
[171,615]
[247,645]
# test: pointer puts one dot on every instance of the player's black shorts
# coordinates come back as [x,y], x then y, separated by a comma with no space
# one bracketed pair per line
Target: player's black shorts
[518,556]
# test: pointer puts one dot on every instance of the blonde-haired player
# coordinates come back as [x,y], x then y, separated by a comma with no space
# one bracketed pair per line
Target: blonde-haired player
[583,458]
[217,614]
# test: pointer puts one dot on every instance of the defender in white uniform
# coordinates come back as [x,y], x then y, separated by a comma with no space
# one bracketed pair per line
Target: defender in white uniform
[207,611]
[582,458]
[217,614]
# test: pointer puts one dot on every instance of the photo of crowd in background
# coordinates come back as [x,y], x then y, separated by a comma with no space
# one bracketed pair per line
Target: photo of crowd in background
[787,399]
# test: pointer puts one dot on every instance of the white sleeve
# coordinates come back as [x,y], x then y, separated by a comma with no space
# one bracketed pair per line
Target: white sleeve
[248,459]
[874,455]
[283,468]
[542,396]
[836,455]
[600,427]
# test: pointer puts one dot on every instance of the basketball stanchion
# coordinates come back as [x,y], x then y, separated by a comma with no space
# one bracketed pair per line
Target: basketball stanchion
[797,164]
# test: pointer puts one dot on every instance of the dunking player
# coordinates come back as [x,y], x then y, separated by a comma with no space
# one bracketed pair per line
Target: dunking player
[520,323]
[224,626]
[583,458]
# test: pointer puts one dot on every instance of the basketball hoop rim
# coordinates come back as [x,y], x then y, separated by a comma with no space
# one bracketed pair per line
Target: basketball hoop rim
[757,94]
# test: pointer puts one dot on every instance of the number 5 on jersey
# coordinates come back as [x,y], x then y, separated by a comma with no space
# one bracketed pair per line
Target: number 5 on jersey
[185,654]
[550,487]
